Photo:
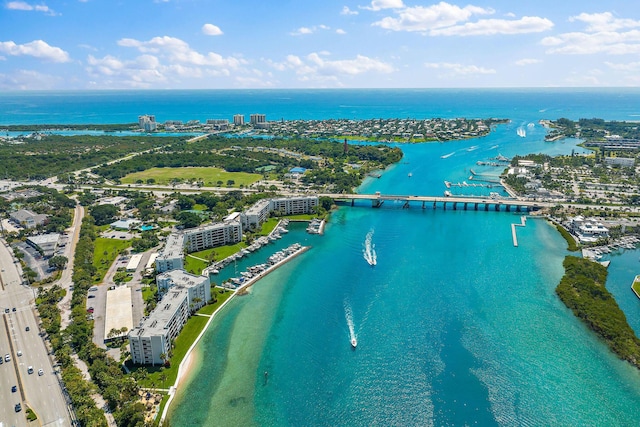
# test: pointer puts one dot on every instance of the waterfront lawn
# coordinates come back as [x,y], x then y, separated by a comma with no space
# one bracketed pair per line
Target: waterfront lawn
[222,297]
[193,265]
[220,253]
[105,252]
[302,217]
[210,176]
[268,226]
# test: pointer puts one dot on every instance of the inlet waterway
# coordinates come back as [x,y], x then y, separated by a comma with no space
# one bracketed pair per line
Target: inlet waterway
[455,325]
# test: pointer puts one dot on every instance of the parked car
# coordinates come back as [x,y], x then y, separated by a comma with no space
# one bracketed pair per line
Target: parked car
[26,329]
[40,372]
[19,353]
[18,407]
[14,388]
[30,370]
[7,358]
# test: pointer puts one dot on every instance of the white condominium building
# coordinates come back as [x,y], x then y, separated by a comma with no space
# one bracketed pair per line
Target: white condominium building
[294,205]
[254,119]
[238,120]
[148,123]
[152,338]
[259,212]
[209,236]
[184,293]
[172,255]
[256,214]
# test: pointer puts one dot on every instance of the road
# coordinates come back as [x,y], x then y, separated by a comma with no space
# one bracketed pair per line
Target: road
[42,393]
[65,279]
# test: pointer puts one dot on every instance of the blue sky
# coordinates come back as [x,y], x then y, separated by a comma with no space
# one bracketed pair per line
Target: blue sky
[224,44]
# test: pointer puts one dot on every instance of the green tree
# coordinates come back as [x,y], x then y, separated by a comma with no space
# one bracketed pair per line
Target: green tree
[58,262]
[103,214]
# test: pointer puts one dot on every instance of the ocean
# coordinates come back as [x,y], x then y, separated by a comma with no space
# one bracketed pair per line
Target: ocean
[455,325]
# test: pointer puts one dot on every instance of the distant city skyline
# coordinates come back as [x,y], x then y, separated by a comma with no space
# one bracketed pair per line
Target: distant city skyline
[202,44]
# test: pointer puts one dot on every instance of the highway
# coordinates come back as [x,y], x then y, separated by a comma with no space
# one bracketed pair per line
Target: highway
[42,393]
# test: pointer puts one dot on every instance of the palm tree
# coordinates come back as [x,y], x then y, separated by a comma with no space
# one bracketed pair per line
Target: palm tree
[163,376]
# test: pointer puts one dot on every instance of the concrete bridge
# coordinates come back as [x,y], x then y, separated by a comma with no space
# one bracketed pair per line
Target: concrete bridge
[452,202]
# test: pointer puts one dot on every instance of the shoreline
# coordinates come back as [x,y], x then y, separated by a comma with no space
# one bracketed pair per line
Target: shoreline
[187,362]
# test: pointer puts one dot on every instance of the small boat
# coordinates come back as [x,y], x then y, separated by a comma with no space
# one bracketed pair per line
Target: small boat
[354,342]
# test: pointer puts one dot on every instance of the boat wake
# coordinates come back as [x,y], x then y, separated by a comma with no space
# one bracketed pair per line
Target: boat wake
[446,156]
[369,250]
[348,314]
[522,133]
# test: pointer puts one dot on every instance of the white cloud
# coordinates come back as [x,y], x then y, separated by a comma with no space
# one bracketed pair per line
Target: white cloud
[37,48]
[21,5]
[459,69]
[340,31]
[301,31]
[178,51]
[162,61]
[604,22]
[318,68]
[347,11]
[527,61]
[142,72]
[211,30]
[384,4]
[487,27]
[602,34]
[425,19]
[309,30]
[608,42]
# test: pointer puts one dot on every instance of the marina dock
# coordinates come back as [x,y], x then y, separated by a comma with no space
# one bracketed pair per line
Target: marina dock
[242,289]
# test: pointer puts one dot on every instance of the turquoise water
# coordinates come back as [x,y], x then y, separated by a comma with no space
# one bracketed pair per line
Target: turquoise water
[455,326]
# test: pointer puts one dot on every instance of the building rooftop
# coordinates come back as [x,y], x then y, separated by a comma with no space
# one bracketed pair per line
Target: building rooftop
[44,239]
[174,248]
[165,310]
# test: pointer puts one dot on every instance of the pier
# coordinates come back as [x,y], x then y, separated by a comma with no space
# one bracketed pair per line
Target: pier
[465,202]
[523,222]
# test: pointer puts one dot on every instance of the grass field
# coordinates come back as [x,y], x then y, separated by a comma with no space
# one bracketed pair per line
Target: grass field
[210,176]
[195,266]
[106,251]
